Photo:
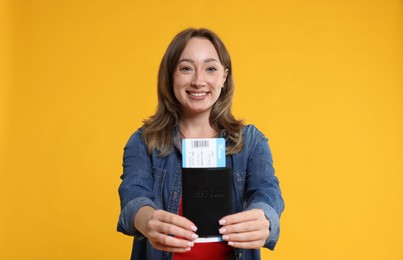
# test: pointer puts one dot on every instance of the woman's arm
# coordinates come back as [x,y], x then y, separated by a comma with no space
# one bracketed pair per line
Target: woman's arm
[262,195]
[136,189]
[139,215]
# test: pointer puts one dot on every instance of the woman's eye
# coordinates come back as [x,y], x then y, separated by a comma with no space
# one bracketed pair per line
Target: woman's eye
[186,69]
[211,69]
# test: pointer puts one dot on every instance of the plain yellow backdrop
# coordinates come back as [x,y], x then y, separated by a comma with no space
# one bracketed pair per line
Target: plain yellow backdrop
[322,79]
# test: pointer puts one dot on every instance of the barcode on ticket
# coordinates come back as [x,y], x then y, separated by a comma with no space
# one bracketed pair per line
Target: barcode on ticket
[203,153]
[199,143]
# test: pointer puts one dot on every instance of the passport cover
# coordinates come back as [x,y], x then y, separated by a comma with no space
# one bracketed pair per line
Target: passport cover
[206,197]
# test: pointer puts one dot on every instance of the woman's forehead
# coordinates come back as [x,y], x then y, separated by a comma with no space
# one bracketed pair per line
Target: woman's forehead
[199,48]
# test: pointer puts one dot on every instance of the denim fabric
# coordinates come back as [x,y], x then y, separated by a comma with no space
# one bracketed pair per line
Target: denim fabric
[151,180]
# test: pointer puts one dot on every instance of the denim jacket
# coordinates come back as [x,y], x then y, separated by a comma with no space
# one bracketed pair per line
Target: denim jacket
[151,180]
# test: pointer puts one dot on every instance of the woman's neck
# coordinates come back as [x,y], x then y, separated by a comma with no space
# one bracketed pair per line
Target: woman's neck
[196,127]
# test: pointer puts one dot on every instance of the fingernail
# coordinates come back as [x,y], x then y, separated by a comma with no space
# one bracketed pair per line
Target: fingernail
[193,228]
[194,236]
[230,243]
[222,221]
[222,230]
[187,249]
[190,244]
[226,237]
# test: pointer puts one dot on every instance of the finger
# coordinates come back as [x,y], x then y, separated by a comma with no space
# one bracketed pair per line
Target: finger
[242,217]
[246,237]
[174,219]
[169,229]
[244,227]
[171,242]
[162,247]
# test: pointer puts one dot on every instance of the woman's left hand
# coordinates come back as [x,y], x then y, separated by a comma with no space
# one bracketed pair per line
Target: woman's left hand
[248,229]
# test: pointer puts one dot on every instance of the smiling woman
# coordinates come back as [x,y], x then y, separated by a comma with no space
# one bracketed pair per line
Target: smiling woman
[195,90]
[199,78]
[157,129]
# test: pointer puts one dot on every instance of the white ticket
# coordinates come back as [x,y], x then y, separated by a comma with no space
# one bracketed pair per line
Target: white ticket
[203,153]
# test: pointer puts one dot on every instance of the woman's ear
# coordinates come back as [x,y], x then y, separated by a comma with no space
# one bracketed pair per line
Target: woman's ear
[225,77]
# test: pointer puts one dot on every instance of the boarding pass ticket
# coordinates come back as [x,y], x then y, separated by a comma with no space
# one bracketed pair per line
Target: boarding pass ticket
[203,153]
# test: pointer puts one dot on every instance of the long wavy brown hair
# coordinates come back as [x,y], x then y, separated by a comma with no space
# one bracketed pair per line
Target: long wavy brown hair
[158,129]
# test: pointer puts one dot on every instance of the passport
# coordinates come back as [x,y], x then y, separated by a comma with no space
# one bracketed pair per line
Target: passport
[206,198]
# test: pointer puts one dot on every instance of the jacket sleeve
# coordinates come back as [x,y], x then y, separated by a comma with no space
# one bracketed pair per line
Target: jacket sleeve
[262,189]
[136,188]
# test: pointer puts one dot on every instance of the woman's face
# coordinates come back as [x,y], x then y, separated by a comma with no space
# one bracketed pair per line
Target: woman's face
[198,77]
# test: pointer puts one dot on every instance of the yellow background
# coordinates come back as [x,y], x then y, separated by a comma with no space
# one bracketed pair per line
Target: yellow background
[322,79]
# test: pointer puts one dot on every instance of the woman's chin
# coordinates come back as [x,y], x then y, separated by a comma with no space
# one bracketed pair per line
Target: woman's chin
[198,110]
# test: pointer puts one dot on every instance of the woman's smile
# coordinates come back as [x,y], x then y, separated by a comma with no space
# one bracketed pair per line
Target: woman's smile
[197,95]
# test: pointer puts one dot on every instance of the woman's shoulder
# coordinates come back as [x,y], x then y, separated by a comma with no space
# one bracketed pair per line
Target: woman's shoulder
[251,132]
[252,137]
[136,137]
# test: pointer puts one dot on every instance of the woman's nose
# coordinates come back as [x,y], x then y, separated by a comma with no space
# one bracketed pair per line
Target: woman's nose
[198,80]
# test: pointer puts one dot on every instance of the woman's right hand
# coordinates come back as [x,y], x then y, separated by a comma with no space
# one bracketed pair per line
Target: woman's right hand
[166,231]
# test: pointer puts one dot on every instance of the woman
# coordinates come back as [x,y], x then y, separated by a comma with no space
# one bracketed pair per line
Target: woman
[195,90]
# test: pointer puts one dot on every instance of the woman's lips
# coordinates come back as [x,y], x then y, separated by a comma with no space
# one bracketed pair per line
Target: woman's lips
[197,94]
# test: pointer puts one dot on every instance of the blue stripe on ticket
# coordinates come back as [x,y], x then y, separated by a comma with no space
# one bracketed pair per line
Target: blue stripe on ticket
[220,144]
[183,153]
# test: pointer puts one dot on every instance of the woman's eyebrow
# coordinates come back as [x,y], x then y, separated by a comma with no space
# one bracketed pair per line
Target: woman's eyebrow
[186,60]
[210,60]
[192,61]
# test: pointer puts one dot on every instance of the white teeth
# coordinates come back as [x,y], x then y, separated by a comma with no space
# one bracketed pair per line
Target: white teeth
[198,94]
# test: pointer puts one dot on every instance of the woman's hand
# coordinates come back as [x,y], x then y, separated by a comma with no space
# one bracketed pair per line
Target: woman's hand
[248,229]
[165,231]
